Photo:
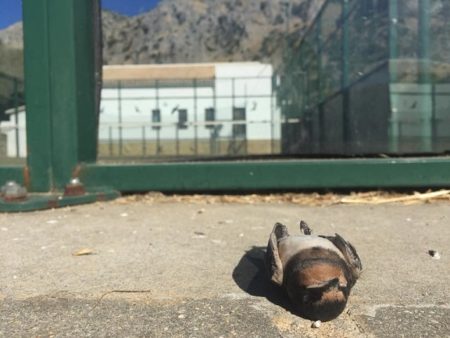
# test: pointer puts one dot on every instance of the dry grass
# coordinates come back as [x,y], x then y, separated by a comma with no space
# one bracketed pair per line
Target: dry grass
[308,199]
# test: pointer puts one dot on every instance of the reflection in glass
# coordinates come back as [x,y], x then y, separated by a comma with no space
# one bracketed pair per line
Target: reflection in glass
[377,84]
[278,78]
[12,97]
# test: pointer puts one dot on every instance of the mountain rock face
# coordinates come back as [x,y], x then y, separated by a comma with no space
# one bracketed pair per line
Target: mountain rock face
[206,31]
[186,31]
[12,36]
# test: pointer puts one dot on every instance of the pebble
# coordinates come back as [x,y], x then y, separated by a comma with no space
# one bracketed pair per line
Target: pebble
[434,254]
[316,324]
[199,234]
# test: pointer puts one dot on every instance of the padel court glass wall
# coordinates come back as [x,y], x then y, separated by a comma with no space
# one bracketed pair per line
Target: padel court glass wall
[360,99]
[370,78]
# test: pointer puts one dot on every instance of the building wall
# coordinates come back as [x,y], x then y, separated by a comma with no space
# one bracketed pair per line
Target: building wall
[127,110]
[126,115]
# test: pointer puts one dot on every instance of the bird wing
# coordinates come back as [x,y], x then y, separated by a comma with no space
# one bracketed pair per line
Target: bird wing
[349,252]
[273,262]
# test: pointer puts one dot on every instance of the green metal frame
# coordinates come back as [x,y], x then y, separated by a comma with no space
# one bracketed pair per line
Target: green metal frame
[61,108]
[60,87]
[272,175]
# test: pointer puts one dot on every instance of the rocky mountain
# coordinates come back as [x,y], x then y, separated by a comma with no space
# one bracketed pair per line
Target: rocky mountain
[12,36]
[11,56]
[179,31]
[206,30]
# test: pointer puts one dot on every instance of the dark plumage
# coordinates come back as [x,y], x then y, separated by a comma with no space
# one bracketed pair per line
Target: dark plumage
[317,272]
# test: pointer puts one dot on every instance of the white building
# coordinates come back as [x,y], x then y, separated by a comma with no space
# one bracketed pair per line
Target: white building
[14,130]
[229,104]
[182,109]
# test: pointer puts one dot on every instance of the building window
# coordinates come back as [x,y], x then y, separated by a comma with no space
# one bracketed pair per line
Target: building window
[182,118]
[210,116]
[156,118]
[239,129]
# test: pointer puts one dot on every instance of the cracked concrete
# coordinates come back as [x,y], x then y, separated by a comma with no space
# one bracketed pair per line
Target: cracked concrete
[177,269]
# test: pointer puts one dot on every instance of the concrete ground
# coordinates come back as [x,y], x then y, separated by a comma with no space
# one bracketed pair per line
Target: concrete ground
[182,269]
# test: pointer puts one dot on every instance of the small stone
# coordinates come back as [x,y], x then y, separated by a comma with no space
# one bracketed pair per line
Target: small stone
[434,254]
[83,252]
[316,324]
[199,234]
[181,316]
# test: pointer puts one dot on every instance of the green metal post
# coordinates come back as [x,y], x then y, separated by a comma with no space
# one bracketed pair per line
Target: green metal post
[319,57]
[394,123]
[393,40]
[215,130]
[144,145]
[345,78]
[16,115]
[38,93]
[272,117]
[424,41]
[158,130]
[110,136]
[195,85]
[345,46]
[424,74]
[60,89]
[119,117]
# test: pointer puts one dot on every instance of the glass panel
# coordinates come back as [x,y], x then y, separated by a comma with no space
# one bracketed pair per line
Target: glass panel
[439,40]
[12,112]
[238,78]
[382,79]
[368,26]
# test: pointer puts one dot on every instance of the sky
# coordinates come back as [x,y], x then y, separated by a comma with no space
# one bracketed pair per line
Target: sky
[11,10]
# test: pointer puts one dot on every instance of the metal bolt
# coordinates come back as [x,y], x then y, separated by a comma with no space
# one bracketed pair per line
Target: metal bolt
[75,181]
[74,188]
[13,191]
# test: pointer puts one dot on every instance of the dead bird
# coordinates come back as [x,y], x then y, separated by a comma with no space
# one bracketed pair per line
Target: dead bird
[317,272]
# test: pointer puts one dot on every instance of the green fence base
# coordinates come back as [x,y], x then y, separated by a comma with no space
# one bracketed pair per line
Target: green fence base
[35,202]
[285,175]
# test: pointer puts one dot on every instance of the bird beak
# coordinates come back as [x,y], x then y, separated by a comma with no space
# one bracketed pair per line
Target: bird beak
[333,283]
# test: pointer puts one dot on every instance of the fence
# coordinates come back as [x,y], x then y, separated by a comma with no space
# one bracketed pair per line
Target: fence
[371,77]
[178,119]
[12,138]
[194,118]
[352,85]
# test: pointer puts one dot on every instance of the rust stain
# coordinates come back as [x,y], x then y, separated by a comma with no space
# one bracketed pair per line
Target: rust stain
[74,190]
[101,197]
[77,171]
[26,177]
[52,204]
[14,199]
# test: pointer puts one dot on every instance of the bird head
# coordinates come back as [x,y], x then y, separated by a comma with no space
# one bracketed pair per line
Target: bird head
[318,289]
